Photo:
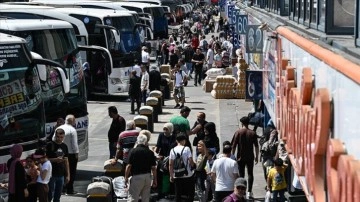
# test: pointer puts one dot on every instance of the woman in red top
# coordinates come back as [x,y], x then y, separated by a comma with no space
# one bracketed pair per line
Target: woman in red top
[195,41]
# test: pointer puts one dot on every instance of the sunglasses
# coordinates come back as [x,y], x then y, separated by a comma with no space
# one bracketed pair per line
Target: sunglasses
[241,188]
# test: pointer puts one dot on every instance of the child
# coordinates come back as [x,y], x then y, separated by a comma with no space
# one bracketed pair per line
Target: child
[276,180]
[32,173]
[209,184]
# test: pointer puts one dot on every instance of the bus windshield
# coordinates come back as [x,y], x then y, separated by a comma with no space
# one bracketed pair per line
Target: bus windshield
[21,110]
[156,12]
[130,38]
[59,45]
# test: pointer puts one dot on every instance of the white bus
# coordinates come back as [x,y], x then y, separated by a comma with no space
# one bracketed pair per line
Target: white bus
[91,27]
[157,13]
[55,40]
[22,115]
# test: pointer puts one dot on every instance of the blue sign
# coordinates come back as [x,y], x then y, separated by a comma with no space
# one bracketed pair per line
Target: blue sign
[254,39]
[235,13]
[242,22]
[236,41]
[254,82]
[230,10]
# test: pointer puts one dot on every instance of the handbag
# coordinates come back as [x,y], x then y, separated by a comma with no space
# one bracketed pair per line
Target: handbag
[164,165]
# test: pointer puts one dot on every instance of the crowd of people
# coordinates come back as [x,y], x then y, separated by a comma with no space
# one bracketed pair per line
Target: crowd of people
[49,171]
[205,172]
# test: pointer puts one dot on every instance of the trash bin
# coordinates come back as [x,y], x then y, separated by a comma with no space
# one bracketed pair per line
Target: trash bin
[141,121]
[158,94]
[148,112]
[153,102]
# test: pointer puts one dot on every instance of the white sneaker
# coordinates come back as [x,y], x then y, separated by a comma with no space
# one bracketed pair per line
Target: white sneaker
[249,195]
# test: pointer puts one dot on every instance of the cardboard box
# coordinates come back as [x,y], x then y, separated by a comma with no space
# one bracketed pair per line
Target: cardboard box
[209,85]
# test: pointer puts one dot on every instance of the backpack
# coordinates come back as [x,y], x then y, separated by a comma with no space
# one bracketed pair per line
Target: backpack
[180,168]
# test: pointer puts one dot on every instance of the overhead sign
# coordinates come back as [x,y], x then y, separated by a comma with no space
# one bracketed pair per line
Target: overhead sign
[242,22]
[229,12]
[235,13]
[254,39]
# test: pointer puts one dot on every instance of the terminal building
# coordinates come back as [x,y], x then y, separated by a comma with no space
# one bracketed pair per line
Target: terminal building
[307,52]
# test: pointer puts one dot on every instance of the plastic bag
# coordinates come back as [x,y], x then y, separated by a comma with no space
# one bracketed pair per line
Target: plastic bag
[267,196]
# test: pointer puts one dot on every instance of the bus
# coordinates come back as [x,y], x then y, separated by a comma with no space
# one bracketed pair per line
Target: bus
[22,112]
[55,40]
[157,13]
[145,32]
[111,78]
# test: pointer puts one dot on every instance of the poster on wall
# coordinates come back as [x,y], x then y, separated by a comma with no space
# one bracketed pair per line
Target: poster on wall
[254,81]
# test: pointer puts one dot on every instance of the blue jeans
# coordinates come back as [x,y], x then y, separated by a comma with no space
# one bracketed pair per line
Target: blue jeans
[188,67]
[55,188]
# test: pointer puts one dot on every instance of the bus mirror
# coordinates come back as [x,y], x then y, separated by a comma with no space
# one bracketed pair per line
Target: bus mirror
[64,81]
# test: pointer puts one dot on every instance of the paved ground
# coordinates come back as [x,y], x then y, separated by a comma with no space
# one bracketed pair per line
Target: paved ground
[225,113]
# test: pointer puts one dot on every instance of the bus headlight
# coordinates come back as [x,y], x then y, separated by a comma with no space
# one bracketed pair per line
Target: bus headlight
[115,81]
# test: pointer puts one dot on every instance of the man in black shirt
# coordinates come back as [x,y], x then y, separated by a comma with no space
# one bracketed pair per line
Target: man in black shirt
[142,163]
[154,79]
[117,126]
[135,92]
[198,61]
[57,153]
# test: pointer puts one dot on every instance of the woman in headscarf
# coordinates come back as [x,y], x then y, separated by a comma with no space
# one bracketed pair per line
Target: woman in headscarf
[17,178]
[166,141]
[211,139]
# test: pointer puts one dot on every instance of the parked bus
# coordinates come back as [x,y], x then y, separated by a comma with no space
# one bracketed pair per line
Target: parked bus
[90,27]
[159,16]
[55,40]
[22,115]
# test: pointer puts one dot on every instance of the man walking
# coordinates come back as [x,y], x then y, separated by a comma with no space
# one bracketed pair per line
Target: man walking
[57,153]
[224,173]
[71,141]
[179,91]
[210,57]
[198,60]
[188,55]
[142,163]
[244,141]
[134,93]
[117,126]
[144,85]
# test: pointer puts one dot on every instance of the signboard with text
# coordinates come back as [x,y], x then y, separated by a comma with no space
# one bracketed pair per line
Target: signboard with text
[254,39]
[229,12]
[242,22]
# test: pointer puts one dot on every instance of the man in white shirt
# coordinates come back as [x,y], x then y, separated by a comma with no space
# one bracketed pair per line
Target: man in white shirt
[210,57]
[145,57]
[44,176]
[144,86]
[179,92]
[224,172]
[137,68]
[71,141]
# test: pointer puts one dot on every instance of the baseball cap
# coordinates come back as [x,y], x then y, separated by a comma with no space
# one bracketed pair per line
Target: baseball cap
[240,182]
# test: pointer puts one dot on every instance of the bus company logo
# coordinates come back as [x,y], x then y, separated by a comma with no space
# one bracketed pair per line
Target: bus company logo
[2,62]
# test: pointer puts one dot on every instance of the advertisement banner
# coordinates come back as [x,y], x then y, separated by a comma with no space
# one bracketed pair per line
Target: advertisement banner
[254,81]
[12,98]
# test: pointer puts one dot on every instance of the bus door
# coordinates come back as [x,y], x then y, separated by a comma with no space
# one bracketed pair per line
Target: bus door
[96,69]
